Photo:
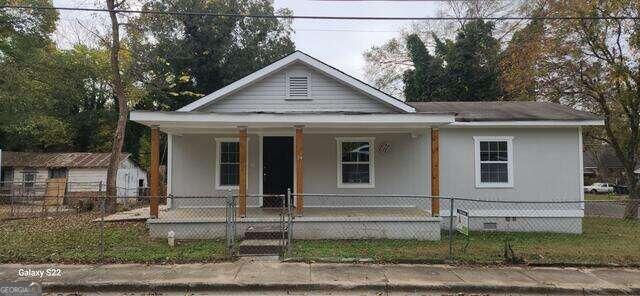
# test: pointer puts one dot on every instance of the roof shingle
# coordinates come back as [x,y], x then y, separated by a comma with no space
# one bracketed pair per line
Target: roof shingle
[69,160]
[504,111]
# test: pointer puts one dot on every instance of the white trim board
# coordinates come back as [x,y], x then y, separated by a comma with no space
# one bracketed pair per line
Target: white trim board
[216,176]
[580,165]
[166,120]
[299,56]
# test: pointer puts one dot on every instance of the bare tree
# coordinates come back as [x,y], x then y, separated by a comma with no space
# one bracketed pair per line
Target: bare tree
[592,63]
[123,109]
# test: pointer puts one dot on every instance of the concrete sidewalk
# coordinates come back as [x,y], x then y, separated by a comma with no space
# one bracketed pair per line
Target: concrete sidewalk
[247,275]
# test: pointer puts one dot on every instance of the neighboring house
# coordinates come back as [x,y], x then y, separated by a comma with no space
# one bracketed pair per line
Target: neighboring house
[602,165]
[28,172]
[316,130]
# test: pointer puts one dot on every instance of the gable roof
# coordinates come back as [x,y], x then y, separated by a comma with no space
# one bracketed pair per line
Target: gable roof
[506,111]
[58,160]
[312,62]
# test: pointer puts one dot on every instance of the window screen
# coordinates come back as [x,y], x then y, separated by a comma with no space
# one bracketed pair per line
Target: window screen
[29,179]
[494,162]
[355,162]
[229,164]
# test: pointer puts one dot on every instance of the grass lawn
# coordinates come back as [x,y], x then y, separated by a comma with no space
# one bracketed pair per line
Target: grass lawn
[604,241]
[74,238]
[613,197]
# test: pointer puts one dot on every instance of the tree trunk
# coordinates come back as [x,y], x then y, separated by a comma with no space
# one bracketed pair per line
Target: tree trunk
[123,110]
[631,210]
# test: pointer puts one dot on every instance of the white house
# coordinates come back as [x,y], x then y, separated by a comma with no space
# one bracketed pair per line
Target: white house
[27,173]
[302,124]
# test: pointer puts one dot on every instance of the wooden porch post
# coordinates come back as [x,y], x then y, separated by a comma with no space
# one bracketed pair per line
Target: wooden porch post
[155,172]
[242,178]
[299,143]
[435,172]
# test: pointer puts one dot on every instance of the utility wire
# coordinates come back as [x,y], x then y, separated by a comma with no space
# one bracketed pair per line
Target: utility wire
[323,17]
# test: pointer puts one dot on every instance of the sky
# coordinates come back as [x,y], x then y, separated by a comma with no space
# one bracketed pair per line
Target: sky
[339,43]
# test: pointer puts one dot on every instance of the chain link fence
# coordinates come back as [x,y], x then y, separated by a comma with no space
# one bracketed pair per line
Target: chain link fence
[249,230]
[56,196]
[76,228]
[403,228]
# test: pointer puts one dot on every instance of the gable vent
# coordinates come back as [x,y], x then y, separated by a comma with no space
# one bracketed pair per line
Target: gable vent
[298,86]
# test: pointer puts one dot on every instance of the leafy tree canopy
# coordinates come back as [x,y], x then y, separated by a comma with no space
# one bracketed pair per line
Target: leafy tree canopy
[54,99]
[183,57]
[27,120]
[464,69]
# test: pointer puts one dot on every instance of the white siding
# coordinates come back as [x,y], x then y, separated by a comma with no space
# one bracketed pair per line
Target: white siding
[128,176]
[546,164]
[193,170]
[87,179]
[269,95]
[403,170]
[546,167]
[42,174]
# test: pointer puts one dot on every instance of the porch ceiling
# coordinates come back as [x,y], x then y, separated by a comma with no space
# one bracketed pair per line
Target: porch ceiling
[192,122]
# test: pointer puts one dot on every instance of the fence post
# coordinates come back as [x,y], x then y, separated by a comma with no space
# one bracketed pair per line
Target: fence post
[451,206]
[102,211]
[230,227]
[229,208]
[289,224]
[11,198]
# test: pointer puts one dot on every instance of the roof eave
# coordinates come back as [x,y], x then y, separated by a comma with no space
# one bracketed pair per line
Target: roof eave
[529,123]
[261,120]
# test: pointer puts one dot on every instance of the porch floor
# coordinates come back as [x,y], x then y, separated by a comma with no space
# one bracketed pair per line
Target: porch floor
[310,213]
[316,223]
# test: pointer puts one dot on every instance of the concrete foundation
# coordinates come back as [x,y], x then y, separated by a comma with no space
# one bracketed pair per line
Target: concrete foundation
[569,225]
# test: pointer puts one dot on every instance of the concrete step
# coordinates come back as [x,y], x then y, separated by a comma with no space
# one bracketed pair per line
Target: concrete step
[265,233]
[260,247]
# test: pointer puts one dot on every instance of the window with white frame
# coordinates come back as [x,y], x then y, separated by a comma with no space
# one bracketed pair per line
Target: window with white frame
[227,163]
[355,162]
[494,161]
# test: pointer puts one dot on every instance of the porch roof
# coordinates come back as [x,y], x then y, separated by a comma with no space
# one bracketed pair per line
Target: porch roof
[175,120]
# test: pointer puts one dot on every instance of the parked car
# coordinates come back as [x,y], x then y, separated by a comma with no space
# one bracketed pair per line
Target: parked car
[620,189]
[599,188]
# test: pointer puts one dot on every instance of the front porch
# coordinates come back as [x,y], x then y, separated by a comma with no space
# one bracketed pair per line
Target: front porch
[316,223]
[254,155]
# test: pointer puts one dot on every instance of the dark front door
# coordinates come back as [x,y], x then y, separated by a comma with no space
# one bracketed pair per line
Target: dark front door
[277,168]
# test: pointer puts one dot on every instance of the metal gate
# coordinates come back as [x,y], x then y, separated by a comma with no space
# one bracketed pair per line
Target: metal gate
[237,228]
